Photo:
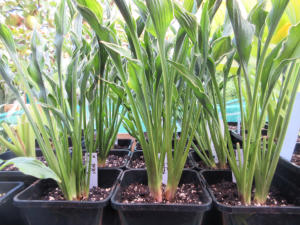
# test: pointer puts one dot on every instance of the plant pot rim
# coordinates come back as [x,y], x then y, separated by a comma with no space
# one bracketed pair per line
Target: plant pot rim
[160,206]
[17,186]
[32,203]
[292,165]
[251,208]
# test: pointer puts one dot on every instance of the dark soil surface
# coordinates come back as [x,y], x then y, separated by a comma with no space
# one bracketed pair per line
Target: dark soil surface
[138,146]
[226,193]
[96,194]
[139,193]
[13,168]
[139,163]
[116,161]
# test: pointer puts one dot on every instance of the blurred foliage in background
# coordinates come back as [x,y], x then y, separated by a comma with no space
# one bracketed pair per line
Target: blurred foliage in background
[23,16]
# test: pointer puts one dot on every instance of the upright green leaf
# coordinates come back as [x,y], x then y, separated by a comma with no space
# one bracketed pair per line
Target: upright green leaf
[7,39]
[243,31]
[161,12]
[221,47]
[187,21]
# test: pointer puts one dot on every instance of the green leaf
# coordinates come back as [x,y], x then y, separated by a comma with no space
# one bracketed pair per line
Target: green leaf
[118,49]
[205,30]
[134,70]
[291,47]
[126,15]
[94,6]
[276,14]
[221,47]
[187,21]
[33,167]
[161,12]
[7,39]
[243,32]
[258,16]
[194,83]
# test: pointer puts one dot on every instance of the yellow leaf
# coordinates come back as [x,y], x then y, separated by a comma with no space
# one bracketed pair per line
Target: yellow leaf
[281,33]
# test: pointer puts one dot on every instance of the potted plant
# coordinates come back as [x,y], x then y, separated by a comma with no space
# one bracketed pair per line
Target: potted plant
[149,84]
[22,144]
[260,198]
[74,200]
[21,136]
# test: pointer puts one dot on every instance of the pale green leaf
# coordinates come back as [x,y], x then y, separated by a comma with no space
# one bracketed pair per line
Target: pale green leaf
[33,167]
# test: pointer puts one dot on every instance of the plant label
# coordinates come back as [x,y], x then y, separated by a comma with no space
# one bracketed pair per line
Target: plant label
[165,170]
[94,169]
[212,146]
[238,162]
[290,140]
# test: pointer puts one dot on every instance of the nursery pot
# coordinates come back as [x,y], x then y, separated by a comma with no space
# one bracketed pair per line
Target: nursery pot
[158,213]
[9,214]
[123,144]
[41,212]
[288,171]
[16,175]
[256,215]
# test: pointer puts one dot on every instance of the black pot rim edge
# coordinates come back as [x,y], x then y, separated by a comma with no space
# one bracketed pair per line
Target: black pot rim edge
[67,204]
[12,191]
[167,207]
[246,209]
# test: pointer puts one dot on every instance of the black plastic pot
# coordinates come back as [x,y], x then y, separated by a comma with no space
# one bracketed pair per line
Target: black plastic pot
[256,215]
[236,138]
[40,212]
[159,214]
[9,214]
[139,153]
[123,144]
[289,171]
[16,175]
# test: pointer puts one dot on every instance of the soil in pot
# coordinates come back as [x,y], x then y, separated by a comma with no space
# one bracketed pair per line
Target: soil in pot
[185,194]
[138,162]
[114,160]
[136,207]
[282,207]
[57,211]
[296,156]
[226,193]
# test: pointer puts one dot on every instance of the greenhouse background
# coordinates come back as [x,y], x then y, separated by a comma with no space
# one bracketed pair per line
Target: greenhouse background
[149,112]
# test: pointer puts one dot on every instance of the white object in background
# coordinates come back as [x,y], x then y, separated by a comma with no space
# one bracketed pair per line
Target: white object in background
[237,159]
[212,146]
[239,126]
[292,131]
[221,124]
[94,169]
